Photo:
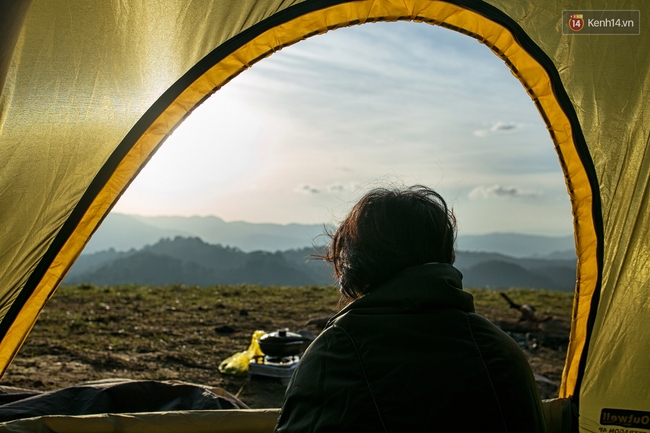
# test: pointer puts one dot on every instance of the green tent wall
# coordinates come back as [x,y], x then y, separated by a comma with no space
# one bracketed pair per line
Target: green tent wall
[90,90]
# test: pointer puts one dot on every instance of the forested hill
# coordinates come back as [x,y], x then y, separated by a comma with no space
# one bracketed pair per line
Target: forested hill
[191,261]
[194,262]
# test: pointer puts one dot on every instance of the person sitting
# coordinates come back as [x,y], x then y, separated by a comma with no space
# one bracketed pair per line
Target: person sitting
[407,352]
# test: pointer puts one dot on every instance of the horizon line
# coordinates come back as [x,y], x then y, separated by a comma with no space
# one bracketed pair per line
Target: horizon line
[484,233]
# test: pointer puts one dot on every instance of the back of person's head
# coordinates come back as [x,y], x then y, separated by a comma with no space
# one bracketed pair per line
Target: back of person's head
[389,230]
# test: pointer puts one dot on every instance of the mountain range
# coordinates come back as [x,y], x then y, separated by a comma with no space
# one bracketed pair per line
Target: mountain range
[192,261]
[125,232]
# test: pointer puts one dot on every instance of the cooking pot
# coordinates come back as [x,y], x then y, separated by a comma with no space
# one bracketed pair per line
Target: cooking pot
[283,343]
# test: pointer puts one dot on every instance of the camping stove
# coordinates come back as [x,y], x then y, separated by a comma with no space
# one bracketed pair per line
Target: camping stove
[270,366]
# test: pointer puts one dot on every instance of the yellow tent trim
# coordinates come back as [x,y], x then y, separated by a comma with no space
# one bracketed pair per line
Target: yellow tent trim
[195,421]
[500,40]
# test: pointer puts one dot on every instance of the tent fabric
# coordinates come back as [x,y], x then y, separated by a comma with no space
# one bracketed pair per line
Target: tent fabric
[196,421]
[92,90]
[558,413]
[11,23]
[606,78]
[120,396]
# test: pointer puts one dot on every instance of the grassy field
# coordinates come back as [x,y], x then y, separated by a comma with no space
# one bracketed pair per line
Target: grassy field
[183,333]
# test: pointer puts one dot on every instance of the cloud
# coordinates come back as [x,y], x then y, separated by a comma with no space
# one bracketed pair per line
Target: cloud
[307,189]
[334,188]
[499,191]
[499,128]
[339,188]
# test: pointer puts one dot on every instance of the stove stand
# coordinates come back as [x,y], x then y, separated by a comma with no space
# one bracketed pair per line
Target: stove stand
[280,368]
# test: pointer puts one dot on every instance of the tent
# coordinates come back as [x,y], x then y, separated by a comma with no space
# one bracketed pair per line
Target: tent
[90,90]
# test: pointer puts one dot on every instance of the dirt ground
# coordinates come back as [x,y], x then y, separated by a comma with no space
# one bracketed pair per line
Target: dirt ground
[182,333]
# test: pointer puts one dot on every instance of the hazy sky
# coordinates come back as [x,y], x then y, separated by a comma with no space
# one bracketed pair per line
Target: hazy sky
[301,135]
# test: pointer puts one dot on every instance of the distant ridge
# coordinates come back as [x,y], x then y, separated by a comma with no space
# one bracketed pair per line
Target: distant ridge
[518,245]
[125,232]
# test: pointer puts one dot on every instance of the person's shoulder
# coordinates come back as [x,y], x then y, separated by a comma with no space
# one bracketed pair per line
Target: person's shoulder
[332,336]
[480,323]
[336,327]
[489,336]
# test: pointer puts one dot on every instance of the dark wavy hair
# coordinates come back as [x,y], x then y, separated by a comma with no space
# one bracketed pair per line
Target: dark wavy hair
[386,231]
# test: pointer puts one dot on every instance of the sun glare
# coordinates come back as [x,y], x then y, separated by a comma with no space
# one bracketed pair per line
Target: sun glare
[220,145]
